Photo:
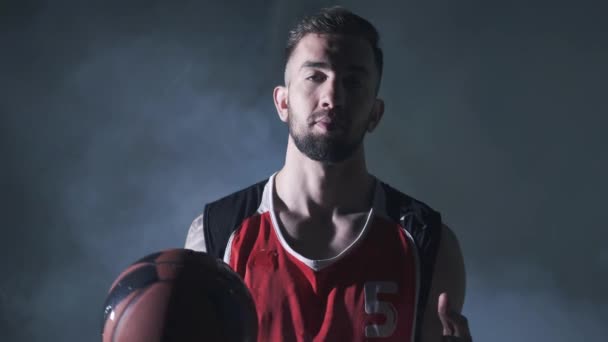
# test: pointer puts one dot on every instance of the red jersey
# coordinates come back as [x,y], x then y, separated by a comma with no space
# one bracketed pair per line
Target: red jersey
[366,293]
[376,289]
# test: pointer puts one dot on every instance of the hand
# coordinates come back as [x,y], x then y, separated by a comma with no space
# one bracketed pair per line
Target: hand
[455,325]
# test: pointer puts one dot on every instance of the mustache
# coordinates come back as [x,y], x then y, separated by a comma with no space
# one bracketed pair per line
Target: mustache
[336,117]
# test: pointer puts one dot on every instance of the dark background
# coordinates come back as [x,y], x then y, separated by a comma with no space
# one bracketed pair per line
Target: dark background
[120,119]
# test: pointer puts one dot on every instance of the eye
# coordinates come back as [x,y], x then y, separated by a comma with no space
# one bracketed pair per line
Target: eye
[317,77]
[353,81]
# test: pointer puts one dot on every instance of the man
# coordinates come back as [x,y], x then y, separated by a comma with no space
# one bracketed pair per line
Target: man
[328,251]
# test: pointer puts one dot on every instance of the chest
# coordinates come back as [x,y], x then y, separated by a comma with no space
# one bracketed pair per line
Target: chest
[370,291]
[321,238]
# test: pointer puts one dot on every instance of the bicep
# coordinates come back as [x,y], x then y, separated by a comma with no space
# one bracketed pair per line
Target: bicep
[448,276]
[195,239]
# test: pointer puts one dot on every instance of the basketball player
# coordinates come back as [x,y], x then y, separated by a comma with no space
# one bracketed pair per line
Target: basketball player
[329,251]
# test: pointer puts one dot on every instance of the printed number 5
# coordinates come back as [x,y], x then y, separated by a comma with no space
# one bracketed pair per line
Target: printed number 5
[375,306]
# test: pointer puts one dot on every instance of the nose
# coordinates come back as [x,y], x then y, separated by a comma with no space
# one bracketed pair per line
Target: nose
[332,94]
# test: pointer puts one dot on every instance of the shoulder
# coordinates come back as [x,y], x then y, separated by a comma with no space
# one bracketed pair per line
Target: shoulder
[395,196]
[210,230]
[228,211]
[438,242]
[415,215]
[252,193]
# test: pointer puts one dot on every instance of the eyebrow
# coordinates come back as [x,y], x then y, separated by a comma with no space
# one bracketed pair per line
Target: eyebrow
[327,66]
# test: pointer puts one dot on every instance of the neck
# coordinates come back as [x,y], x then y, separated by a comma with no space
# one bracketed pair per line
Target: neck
[308,187]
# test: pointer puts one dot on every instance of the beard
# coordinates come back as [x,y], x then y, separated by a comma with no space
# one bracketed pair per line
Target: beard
[328,149]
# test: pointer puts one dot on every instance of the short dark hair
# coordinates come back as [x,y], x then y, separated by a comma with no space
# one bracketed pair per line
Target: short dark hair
[336,20]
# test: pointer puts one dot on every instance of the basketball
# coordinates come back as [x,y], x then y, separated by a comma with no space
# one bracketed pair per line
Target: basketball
[178,295]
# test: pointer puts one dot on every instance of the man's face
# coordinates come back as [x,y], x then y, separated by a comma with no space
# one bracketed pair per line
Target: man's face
[331,102]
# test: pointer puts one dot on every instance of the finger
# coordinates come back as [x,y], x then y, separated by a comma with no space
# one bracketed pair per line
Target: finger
[460,324]
[454,323]
[443,310]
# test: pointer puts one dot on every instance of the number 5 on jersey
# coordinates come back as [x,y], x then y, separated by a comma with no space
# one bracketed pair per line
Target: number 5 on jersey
[375,306]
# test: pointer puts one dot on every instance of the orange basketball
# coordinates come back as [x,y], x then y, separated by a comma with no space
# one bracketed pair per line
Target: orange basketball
[178,295]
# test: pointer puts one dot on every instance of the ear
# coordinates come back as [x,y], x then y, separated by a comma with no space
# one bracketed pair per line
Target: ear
[377,112]
[281,101]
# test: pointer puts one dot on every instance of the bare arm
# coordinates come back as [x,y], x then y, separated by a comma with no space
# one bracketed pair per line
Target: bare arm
[449,277]
[196,236]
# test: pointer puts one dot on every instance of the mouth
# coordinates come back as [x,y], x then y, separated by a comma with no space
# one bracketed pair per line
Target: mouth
[329,124]
[325,120]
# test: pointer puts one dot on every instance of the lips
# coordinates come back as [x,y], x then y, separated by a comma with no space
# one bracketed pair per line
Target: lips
[326,120]
[328,123]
